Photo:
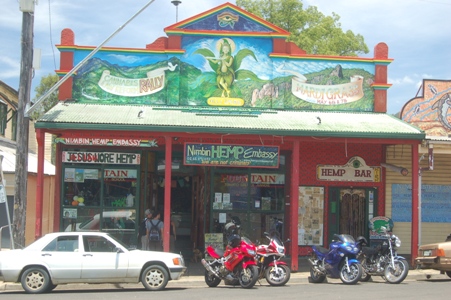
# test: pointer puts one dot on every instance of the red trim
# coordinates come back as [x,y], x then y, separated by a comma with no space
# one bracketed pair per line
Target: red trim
[415,202]
[57,189]
[294,203]
[167,193]
[275,140]
[177,26]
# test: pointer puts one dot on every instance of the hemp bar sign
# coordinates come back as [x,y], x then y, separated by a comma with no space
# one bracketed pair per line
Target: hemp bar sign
[221,155]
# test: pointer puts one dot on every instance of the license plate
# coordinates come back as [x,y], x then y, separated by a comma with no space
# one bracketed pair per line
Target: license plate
[427,252]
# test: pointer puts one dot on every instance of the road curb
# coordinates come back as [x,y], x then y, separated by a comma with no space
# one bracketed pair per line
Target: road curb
[414,275]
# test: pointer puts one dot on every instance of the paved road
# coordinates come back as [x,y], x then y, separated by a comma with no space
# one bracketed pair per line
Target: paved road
[197,281]
[416,286]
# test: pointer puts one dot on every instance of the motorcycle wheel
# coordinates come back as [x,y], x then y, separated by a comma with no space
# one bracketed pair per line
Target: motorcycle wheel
[316,277]
[365,277]
[279,277]
[248,276]
[354,274]
[398,273]
[211,280]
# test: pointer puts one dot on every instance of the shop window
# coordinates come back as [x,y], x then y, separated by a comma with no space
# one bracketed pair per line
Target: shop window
[101,198]
[256,199]
[82,187]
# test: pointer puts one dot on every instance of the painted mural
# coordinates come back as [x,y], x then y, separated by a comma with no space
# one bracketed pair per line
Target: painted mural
[432,111]
[237,70]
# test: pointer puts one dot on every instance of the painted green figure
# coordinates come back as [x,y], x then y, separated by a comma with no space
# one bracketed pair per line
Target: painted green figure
[225,75]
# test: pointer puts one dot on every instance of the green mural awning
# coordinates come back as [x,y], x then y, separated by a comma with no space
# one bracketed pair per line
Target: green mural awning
[227,120]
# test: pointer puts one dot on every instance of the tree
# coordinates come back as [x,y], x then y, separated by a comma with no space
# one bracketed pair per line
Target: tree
[46,83]
[309,29]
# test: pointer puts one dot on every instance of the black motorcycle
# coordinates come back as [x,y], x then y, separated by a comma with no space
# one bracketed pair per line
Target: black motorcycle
[382,260]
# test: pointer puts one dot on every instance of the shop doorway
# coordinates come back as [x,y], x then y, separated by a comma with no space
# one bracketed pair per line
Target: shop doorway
[350,210]
[186,210]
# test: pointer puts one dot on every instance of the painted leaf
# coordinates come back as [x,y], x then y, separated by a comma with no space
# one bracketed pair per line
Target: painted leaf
[243,53]
[207,53]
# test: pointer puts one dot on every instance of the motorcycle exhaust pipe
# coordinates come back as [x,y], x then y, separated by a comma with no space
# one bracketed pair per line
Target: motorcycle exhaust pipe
[209,268]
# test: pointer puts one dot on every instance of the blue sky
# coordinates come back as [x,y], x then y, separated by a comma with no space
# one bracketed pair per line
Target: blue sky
[416,32]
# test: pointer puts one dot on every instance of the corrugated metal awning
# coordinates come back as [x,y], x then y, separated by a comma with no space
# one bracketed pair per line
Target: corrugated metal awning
[227,120]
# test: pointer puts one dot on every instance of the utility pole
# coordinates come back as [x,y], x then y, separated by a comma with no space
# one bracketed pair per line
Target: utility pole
[26,74]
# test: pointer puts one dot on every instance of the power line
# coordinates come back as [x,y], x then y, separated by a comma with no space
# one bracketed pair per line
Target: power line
[50,34]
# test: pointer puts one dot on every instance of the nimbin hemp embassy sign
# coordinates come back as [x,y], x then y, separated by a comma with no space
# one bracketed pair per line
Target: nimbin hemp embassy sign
[231,155]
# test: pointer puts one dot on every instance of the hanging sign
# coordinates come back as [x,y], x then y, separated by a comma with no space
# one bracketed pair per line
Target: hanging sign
[355,170]
[231,155]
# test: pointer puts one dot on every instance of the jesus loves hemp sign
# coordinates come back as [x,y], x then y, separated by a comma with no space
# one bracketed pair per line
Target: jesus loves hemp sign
[231,155]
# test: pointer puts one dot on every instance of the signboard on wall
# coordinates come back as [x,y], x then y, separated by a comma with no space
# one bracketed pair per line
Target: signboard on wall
[107,142]
[101,157]
[355,169]
[311,215]
[435,204]
[222,155]
[216,240]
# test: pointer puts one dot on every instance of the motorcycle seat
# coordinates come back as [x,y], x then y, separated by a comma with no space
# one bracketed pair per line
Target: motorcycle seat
[370,250]
[322,250]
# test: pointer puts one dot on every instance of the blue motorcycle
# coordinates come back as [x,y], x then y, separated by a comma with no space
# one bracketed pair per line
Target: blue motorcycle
[339,261]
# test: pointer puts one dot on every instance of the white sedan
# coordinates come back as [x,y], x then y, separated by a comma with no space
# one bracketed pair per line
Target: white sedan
[87,257]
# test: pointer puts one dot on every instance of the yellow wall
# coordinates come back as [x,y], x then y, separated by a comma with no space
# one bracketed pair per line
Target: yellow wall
[441,175]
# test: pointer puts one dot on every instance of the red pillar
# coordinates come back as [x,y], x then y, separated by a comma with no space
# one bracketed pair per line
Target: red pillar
[57,188]
[40,136]
[294,204]
[415,203]
[167,193]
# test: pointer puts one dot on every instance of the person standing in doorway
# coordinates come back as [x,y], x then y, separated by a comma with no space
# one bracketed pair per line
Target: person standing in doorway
[155,232]
[173,235]
[143,235]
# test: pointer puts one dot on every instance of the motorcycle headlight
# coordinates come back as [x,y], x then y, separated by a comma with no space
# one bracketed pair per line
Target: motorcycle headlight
[397,242]
[281,250]
[251,252]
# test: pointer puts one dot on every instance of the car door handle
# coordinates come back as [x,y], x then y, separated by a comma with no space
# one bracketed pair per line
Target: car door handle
[46,254]
[87,254]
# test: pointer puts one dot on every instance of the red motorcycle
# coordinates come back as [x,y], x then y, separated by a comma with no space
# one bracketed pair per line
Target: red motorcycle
[236,264]
[276,271]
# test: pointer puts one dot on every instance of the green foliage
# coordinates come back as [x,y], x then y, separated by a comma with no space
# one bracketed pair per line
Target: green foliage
[311,30]
[47,82]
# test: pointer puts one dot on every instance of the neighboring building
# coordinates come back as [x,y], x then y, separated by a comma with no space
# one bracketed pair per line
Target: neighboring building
[429,111]
[8,112]
[223,118]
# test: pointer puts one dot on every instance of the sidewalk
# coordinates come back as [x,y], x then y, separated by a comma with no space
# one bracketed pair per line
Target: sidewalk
[194,277]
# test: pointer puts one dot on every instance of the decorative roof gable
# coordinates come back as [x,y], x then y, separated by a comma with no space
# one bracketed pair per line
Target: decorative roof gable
[226,19]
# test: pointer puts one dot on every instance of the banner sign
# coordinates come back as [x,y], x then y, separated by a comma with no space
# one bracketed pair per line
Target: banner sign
[101,158]
[131,87]
[231,155]
[355,170]
[107,142]
[333,94]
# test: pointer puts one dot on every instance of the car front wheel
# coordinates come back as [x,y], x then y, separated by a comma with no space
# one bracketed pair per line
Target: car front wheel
[154,278]
[35,280]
